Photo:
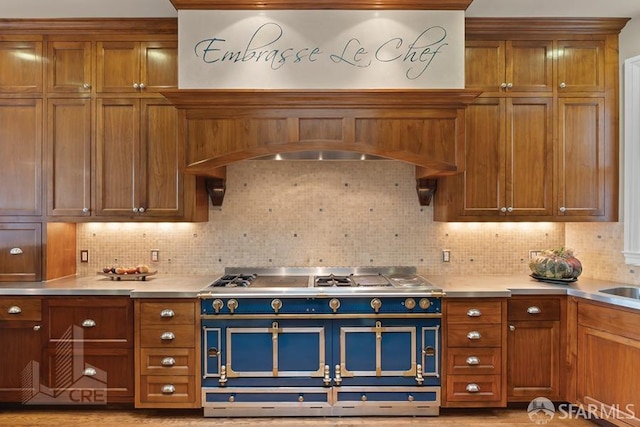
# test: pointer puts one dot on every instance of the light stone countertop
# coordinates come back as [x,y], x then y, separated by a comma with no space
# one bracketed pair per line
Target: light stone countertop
[188,286]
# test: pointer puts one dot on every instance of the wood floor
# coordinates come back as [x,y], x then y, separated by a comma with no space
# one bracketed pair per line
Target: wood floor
[83,417]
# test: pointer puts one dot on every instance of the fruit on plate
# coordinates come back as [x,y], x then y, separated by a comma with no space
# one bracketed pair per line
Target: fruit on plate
[559,263]
[120,270]
[131,270]
[142,268]
[106,270]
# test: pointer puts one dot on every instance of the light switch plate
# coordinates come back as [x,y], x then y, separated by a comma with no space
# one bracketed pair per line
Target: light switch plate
[84,255]
[155,255]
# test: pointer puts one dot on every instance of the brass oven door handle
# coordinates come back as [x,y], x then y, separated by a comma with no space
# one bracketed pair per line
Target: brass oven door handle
[419,377]
[327,376]
[338,379]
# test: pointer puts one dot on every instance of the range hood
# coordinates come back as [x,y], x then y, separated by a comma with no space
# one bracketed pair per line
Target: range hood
[421,127]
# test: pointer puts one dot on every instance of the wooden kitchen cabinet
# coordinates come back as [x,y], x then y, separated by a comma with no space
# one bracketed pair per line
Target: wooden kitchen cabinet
[474,352]
[167,345]
[22,69]
[562,168]
[21,157]
[498,66]
[136,66]
[20,252]
[101,356]
[509,158]
[68,154]
[138,156]
[21,340]
[70,66]
[608,348]
[534,349]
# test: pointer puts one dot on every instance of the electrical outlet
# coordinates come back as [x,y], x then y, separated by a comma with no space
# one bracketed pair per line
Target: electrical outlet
[84,255]
[446,255]
[533,254]
[155,255]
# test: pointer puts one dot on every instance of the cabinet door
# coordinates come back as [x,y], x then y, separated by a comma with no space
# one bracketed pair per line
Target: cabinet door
[529,158]
[21,156]
[161,185]
[533,360]
[608,374]
[69,67]
[117,156]
[581,66]
[21,65]
[21,344]
[485,65]
[484,176]
[529,66]
[581,179]
[118,66]
[159,65]
[20,252]
[69,157]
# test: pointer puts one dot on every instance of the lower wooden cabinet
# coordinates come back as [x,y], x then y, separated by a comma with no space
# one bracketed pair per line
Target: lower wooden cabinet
[167,340]
[534,347]
[608,353]
[89,348]
[21,343]
[474,352]
[20,252]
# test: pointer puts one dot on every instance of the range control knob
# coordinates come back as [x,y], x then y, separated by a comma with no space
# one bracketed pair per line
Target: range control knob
[376,304]
[424,303]
[410,303]
[334,304]
[232,304]
[217,305]
[276,304]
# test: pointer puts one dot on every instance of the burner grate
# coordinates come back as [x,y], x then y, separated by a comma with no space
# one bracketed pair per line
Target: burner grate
[332,280]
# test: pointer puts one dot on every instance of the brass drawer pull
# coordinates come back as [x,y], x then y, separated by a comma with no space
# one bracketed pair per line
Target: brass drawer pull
[14,309]
[167,336]
[472,388]
[474,312]
[88,323]
[168,361]
[474,335]
[167,312]
[168,389]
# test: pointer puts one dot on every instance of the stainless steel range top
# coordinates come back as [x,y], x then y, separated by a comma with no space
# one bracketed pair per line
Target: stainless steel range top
[301,281]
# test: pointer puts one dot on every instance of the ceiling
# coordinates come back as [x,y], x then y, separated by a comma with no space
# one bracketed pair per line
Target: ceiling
[164,8]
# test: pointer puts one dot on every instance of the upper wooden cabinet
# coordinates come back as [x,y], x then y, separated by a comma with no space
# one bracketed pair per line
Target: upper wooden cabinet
[581,66]
[504,67]
[21,59]
[136,67]
[69,66]
[21,157]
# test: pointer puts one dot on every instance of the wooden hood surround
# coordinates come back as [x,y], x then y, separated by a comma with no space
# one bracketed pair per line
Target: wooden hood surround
[421,127]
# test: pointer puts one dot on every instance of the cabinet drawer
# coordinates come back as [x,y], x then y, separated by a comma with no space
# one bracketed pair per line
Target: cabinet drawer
[167,313]
[99,319]
[473,388]
[471,335]
[533,309]
[168,336]
[480,311]
[167,389]
[169,361]
[20,309]
[476,361]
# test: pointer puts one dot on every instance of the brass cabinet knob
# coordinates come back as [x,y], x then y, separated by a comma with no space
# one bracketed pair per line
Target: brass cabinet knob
[276,305]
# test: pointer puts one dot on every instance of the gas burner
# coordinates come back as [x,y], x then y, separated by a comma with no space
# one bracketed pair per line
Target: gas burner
[234,280]
[332,280]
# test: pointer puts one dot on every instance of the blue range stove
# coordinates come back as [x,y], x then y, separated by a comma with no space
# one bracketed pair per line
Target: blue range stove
[320,342]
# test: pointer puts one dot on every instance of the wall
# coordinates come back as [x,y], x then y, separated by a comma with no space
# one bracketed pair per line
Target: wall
[319,214]
[600,245]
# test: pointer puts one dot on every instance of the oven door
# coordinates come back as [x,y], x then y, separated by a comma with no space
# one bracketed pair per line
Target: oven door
[386,351]
[283,352]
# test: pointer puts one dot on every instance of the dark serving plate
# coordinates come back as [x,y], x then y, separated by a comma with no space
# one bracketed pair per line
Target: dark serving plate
[554,280]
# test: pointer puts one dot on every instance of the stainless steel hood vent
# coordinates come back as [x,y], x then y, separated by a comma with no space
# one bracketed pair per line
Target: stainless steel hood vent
[421,127]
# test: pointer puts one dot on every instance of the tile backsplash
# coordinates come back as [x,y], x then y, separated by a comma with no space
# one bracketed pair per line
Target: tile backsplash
[311,213]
